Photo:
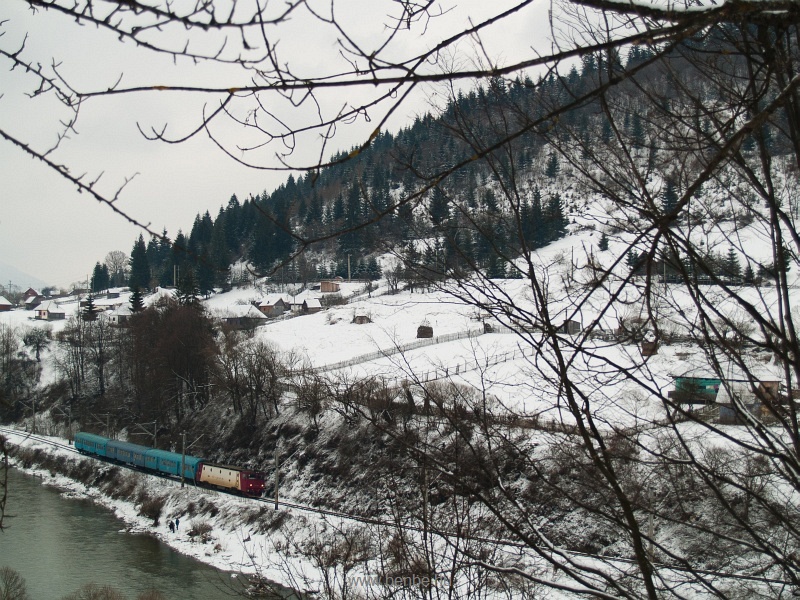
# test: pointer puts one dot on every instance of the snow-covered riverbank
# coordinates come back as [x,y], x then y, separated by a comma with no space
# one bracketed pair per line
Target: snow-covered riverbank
[233,534]
[317,554]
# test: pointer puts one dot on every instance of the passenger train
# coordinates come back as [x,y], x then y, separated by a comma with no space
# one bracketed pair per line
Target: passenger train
[198,470]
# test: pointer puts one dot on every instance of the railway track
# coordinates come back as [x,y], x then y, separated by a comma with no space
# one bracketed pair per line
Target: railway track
[510,544]
[282,504]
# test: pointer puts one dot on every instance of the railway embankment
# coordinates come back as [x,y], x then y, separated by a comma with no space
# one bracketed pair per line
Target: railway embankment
[225,531]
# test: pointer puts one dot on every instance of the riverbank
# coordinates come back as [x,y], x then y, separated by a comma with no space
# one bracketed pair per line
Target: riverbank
[320,555]
[236,535]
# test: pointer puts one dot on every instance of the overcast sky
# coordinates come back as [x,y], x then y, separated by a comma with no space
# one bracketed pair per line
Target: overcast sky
[53,232]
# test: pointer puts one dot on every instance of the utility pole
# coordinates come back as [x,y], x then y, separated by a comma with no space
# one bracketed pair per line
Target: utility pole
[277,473]
[184,447]
[183,455]
[32,406]
[68,414]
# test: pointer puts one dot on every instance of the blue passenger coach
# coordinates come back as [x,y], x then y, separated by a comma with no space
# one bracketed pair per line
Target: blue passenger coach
[125,452]
[151,459]
[91,443]
[170,463]
[245,481]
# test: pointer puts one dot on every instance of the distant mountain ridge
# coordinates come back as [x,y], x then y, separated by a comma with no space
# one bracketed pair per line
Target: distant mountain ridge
[19,278]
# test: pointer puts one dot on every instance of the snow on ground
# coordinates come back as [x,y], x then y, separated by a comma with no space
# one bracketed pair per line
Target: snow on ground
[232,544]
[503,365]
[331,336]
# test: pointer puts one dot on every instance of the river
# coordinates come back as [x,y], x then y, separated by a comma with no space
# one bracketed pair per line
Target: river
[59,545]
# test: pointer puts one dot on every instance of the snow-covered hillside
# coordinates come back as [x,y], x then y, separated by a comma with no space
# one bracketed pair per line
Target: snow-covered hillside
[514,413]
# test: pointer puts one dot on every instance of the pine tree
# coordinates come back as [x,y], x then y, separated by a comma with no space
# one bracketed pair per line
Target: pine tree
[189,290]
[749,275]
[140,267]
[552,165]
[669,202]
[136,301]
[100,278]
[603,245]
[90,310]
[439,207]
[732,268]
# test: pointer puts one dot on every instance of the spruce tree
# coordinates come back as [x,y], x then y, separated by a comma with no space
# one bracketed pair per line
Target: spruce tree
[90,310]
[439,207]
[373,269]
[555,220]
[189,290]
[100,278]
[749,275]
[637,131]
[140,267]
[136,301]
[732,268]
[670,200]
[552,165]
[496,267]
[632,260]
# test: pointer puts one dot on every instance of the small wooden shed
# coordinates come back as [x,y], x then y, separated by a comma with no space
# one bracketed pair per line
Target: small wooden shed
[311,306]
[570,327]
[328,286]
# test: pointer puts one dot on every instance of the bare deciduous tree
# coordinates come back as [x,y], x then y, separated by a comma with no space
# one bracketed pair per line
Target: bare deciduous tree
[705,103]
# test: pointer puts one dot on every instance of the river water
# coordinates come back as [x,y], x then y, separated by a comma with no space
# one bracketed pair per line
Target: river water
[59,545]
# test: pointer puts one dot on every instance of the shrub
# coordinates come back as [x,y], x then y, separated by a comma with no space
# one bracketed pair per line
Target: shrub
[152,507]
[202,530]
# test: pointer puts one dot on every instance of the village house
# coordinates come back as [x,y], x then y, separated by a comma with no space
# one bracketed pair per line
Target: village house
[31,299]
[50,311]
[243,316]
[311,306]
[119,316]
[754,391]
[272,306]
[759,398]
[570,327]
[30,293]
[5,304]
[295,304]
[695,390]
